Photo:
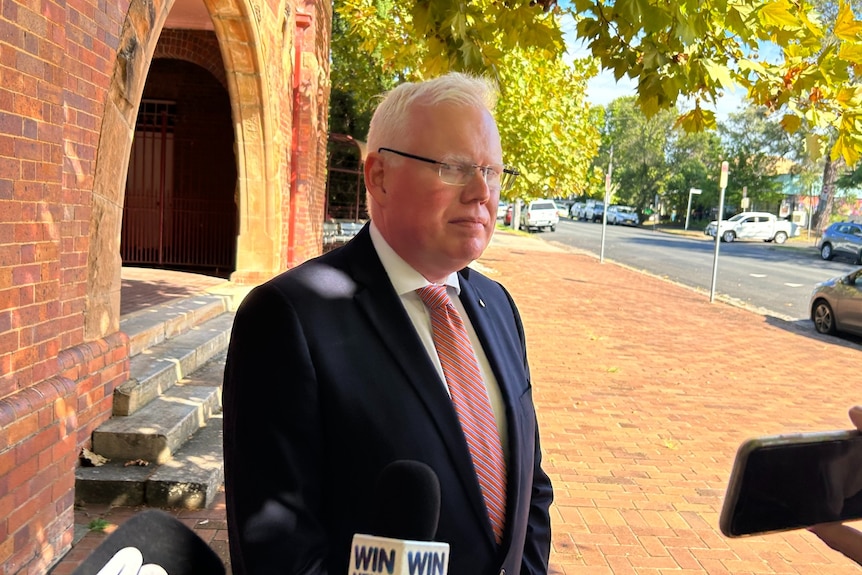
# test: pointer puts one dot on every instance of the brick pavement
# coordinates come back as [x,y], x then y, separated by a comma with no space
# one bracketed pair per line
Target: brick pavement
[644,391]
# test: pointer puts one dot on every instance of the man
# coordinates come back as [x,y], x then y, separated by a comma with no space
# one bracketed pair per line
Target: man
[333,370]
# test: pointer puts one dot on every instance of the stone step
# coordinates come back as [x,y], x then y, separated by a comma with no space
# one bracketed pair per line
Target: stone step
[153,325]
[164,442]
[157,369]
[156,431]
[189,480]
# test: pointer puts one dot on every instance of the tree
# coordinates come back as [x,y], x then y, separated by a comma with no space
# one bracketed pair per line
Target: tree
[694,158]
[754,146]
[640,166]
[544,119]
[692,48]
[545,125]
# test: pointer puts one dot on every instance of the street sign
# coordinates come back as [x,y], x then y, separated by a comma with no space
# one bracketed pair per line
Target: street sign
[694,191]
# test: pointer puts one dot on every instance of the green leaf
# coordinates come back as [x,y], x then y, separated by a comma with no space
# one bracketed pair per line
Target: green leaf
[851,53]
[779,13]
[847,28]
[791,123]
[718,74]
[697,120]
[846,147]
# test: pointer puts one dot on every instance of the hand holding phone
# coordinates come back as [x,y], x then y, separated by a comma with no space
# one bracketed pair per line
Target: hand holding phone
[785,482]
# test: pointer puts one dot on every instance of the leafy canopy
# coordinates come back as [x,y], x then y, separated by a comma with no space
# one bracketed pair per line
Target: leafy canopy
[545,122]
[684,49]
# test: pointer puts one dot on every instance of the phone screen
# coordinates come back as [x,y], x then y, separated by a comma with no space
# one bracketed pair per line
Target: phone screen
[790,482]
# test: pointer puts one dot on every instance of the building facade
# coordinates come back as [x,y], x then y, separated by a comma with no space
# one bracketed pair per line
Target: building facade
[178,133]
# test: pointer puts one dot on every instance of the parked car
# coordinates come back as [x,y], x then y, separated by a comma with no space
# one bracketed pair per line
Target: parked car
[501,210]
[540,214]
[836,304]
[576,210]
[622,215]
[841,238]
[562,209]
[754,226]
[507,219]
[594,210]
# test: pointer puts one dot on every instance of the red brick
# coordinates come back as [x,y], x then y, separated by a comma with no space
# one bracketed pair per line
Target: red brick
[22,473]
[24,357]
[40,442]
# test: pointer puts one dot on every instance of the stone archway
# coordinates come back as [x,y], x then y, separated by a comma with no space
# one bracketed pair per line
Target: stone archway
[258,194]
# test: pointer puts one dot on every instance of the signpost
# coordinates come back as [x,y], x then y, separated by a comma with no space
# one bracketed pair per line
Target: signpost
[722,184]
[688,210]
[608,188]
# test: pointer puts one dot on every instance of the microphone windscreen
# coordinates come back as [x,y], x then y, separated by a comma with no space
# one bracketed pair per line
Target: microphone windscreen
[407,501]
[163,540]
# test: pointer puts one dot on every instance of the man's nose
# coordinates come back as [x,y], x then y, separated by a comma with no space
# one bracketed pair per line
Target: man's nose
[479,180]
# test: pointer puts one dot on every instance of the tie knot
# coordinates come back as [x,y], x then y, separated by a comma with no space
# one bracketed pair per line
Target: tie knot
[433,296]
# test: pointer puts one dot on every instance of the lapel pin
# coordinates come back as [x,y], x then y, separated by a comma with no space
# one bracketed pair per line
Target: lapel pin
[481,303]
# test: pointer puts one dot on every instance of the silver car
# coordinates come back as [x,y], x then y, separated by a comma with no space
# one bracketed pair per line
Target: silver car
[836,304]
[841,238]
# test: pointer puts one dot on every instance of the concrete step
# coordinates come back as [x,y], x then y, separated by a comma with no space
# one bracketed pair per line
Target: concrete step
[164,441]
[168,454]
[151,326]
[157,369]
[189,480]
[156,431]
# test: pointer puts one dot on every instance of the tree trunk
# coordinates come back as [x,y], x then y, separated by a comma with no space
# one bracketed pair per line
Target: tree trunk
[827,195]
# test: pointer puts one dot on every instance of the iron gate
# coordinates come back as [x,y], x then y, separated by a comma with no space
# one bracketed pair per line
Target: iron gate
[169,219]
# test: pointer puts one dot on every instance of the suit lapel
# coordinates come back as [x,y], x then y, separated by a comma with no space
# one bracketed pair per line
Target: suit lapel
[377,299]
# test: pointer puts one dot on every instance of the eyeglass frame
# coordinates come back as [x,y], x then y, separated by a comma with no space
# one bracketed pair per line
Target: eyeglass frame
[484,170]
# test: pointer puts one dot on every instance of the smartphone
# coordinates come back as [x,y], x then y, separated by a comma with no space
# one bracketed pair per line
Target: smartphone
[784,482]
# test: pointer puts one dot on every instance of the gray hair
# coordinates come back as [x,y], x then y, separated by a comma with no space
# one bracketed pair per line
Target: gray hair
[390,119]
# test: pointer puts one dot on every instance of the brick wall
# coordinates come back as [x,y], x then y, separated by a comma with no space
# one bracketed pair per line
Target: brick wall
[57,375]
[196,46]
[42,431]
[54,70]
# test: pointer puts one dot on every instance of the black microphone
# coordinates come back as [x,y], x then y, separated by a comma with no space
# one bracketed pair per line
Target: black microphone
[407,504]
[150,538]
[407,496]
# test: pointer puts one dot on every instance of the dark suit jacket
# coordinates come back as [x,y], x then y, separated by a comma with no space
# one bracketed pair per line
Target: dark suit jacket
[326,383]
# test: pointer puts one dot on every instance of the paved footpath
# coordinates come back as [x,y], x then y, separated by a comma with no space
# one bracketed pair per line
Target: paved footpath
[644,390]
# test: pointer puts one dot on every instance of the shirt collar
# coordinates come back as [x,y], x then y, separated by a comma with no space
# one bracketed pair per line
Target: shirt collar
[404,278]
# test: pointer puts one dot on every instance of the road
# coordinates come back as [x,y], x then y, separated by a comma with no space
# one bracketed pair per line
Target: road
[775,280]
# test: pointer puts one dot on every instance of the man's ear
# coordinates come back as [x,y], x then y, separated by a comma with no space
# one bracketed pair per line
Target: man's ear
[374,168]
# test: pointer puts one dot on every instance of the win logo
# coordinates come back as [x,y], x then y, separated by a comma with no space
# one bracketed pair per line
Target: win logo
[370,555]
[426,563]
[373,560]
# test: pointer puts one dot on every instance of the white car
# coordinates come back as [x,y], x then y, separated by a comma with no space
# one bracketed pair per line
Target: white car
[754,226]
[540,214]
[622,215]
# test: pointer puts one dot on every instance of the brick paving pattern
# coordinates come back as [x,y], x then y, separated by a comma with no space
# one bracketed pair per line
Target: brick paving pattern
[644,390]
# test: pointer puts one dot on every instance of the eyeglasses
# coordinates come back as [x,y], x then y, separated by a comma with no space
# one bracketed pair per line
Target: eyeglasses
[496,176]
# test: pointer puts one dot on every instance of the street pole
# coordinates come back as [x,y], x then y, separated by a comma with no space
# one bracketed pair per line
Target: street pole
[605,210]
[722,184]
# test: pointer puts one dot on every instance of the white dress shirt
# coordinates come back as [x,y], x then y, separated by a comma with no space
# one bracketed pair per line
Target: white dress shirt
[406,281]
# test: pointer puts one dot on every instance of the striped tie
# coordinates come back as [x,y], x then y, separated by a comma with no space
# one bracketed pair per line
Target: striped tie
[471,401]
